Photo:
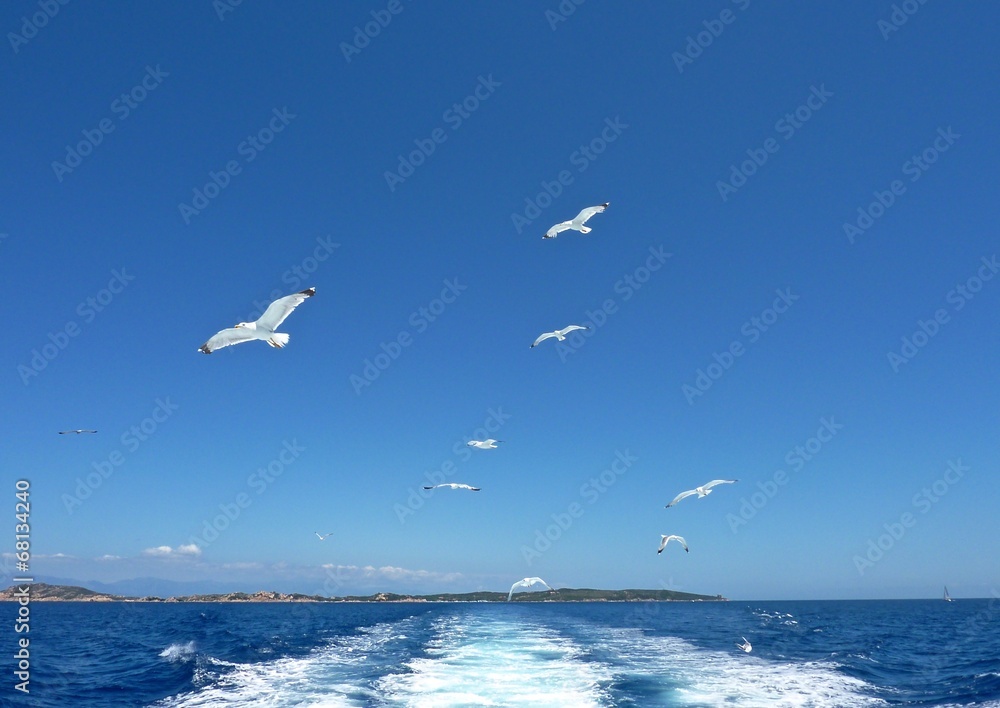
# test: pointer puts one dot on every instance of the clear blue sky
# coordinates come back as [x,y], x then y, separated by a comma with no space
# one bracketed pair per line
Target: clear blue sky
[764,326]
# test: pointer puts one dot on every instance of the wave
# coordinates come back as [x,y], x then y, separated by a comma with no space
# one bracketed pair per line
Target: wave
[179,652]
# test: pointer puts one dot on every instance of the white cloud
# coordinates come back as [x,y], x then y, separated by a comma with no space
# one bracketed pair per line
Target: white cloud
[390,572]
[190,550]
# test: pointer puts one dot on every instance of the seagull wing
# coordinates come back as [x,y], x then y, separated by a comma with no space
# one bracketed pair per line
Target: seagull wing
[585,214]
[558,229]
[233,335]
[542,338]
[682,495]
[572,328]
[716,482]
[281,308]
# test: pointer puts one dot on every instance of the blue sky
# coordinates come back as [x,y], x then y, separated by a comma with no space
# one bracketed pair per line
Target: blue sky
[793,286]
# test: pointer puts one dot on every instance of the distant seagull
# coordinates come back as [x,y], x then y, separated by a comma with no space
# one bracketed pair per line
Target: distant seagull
[323,537]
[489,444]
[452,485]
[577,223]
[263,328]
[527,583]
[664,540]
[745,646]
[559,334]
[76,432]
[702,491]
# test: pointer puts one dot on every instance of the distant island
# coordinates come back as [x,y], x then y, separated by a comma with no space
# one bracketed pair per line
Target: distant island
[43,592]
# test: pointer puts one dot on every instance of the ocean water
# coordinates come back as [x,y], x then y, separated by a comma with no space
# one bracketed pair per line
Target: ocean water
[828,653]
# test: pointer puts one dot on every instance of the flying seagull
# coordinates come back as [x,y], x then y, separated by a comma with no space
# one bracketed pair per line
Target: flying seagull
[527,583]
[452,485]
[577,223]
[77,432]
[489,444]
[324,536]
[664,540]
[263,328]
[745,646]
[702,491]
[559,334]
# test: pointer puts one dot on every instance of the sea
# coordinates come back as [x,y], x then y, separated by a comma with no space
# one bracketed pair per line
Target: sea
[804,653]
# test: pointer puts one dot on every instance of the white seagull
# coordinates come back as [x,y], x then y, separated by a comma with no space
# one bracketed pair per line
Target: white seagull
[324,536]
[745,646]
[664,540]
[76,432]
[527,583]
[702,491]
[489,444]
[577,222]
[559,334]
[263,328]
[452,485]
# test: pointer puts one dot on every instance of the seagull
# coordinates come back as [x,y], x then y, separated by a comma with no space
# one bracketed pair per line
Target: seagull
[559,334]
[263,328]
[664,540]
[702,491]
[77,432]
[489,444]
[527,583]
[324,536]
[745,646]
[452,485]
[577,223]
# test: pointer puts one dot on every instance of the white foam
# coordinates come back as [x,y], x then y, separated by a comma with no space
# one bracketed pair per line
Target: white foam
[702,677]
[491,661]
[179,652]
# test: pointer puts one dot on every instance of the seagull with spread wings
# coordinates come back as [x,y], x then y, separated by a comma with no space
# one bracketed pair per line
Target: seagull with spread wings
[559,334]
[324,536]
[75,432]
[527,583]
[263,328]
[488,444]
[577,222]
[702,491]
[453,485]
[664,540]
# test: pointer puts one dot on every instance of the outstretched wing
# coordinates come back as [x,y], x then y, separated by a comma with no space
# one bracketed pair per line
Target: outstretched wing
[542,338]
[233,335]
[572,328]
[716,482]
[281,308]
[585,214]
[682,495]
[558,229]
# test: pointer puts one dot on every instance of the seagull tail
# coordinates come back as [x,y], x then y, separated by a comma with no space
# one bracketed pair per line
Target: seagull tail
[278,340]
[585,229]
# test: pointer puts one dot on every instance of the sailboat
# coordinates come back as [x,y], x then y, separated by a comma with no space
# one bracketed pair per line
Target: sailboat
[947,597]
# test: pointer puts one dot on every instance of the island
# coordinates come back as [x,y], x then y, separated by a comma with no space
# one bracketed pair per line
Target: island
[43,592]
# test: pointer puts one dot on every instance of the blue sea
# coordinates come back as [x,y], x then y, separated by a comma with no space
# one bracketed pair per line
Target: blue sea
[824,653]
